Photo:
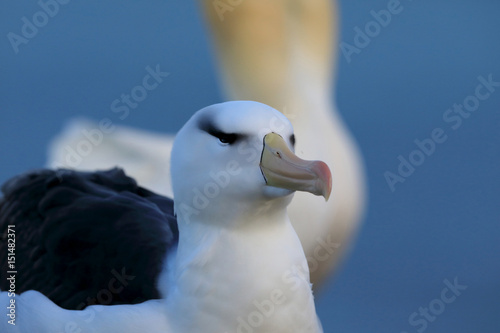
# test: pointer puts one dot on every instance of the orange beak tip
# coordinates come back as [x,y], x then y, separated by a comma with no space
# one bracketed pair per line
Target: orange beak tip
[325,175]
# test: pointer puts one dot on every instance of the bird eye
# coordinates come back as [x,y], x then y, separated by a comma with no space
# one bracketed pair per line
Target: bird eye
[226,138]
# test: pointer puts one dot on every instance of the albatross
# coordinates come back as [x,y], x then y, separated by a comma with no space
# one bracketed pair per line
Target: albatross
[233,261]
[280,53]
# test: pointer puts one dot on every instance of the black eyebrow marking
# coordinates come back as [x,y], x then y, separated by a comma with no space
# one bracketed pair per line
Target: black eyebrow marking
[207,125]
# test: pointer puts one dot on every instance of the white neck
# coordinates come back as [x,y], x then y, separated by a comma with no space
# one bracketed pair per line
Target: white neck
[209,268]
[253,278]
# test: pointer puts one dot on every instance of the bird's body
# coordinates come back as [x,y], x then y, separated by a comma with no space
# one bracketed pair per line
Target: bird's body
[266,286]
[218,288]
[86,237]
[238,264]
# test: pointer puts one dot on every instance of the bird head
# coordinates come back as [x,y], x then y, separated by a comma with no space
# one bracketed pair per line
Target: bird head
[239,157]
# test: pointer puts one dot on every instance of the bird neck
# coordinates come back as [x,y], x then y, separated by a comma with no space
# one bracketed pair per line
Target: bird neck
[253,277]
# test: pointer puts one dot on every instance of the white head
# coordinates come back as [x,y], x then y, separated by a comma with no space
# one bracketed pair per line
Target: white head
[237,157]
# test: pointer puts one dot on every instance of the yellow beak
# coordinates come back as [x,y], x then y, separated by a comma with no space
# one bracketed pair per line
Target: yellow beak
[282,168]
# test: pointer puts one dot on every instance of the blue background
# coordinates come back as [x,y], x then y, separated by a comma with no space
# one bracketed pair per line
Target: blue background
[442,222]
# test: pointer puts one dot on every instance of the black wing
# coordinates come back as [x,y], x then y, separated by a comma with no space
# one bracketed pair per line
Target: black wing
[84,238]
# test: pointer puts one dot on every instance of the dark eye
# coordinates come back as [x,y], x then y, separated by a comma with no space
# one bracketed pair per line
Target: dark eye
[225,138]
[228,138]
[292,139]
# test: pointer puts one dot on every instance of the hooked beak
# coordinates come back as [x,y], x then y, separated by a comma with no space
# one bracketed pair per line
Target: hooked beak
[282,168]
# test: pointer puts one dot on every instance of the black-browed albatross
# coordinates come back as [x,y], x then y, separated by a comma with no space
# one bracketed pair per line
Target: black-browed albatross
[280,53]
[235,265]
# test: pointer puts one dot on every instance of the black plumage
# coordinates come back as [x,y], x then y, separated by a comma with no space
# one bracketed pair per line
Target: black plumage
[86,238]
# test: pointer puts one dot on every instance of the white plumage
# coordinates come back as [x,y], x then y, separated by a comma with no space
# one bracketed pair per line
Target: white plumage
[239,265]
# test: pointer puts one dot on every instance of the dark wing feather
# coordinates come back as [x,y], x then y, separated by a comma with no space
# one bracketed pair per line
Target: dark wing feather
[86,238]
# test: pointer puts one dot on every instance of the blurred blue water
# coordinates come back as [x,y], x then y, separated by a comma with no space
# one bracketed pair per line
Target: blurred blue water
[442,222]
